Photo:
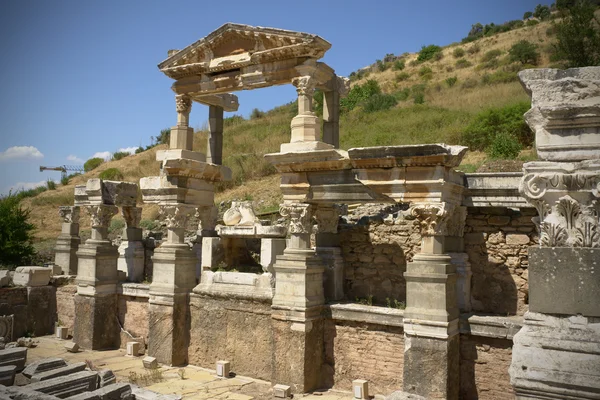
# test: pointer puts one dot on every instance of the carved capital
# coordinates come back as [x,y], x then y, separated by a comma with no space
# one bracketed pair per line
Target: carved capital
[183,103]
[299,215]
[328,217]
[176,216]
[132,216]
[69,214]
[207,218]
[433,217]
[101,215]
[305,85]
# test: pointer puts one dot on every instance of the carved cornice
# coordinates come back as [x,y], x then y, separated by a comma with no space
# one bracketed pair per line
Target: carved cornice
[433,217]
[183,103]
[328,217]
[101,215]
[176,216]
[132,216]
[299,215]
[69,214]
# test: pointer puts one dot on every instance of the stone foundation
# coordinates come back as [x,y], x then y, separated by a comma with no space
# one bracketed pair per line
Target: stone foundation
[168,324]
[98,327]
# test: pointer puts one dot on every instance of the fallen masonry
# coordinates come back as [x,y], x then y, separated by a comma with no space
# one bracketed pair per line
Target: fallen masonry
[62,371]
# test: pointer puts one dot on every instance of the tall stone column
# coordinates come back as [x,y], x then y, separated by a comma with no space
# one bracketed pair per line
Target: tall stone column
[431,356]
[454,245]
[328,249]
[96,326]
[182,136]
[331,110]
[215,135]
[68,241]
[297,305]
[131,250]
[174,278]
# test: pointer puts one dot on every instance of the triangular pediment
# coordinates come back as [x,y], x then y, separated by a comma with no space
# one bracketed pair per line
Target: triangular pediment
[234,46]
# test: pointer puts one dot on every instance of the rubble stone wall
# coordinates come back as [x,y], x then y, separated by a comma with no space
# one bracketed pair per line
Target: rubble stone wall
[13,301]
[231,329]
[133,317]
[34,309]
[496,240]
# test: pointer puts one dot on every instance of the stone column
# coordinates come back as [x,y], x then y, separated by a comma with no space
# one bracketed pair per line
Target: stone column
[331,118]
[174,277]
[182,136]
[454,245]
[96,326]
[328,249]
[131,250]
[214,148]
[68,241]
[297,306]
[206,237]
[431,356]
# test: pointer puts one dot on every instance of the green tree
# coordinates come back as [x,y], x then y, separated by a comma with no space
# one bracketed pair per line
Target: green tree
[542,12]
[578,36]
[428,52]
[527,15]
[565,4]
[524,52]
[163,137]
[15,233]
[92,163]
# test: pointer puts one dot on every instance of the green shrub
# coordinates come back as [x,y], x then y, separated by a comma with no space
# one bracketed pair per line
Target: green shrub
[504,145]
[64,180]
[256,114]
[15,233]
[379,101]
[139,150]
[474,49]
[527,15]
[469,83]
[491,64]
[524,52]
[358,94]
[451,81]
[50,184]
[402,95]
[382,66]
[419,98]
[458,52]
[233,120]
[542,12]
[111,174]
[428,52]
[149,225]
[462,63]
[399,65]
[499,77]
[438,56]
[119,155]
[578,35]
[424,71]
[491,55]
[116,224]
[92,163]
[402,76]
[532,22]
[163,137]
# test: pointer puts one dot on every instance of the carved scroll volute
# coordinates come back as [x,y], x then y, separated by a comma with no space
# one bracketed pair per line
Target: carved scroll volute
[69,214]
[433,217]
[328,217]
[299,216]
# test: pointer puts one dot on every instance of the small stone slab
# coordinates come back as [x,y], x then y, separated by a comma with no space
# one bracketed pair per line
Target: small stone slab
[16,356]
[223,368]
[62,332]
[118,391]
[67,386]
[7,375]
[360,389]
[282,391]
[44,365]
[133,349]
[107,377]
[72,347]
[32,276]
[55,373]
[150,362]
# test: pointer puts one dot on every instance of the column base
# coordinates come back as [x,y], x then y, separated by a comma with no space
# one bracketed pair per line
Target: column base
[169,328]
[96,326]
[556,358]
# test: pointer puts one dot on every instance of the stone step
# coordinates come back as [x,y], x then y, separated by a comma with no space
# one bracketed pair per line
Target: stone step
[7,375]
[62,371]
[43,366]
[67,386]
[16,356]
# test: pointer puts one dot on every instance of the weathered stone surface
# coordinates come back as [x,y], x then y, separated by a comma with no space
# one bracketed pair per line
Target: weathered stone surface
[5,278]
[14,356]
[41,310]
[133,349]
[145,394]
[404,396]
[107,377]
[111,192]
[32,276]
[117,391]
[167,341]
[575,271]
[23,393]
[281,391]
[43,365]
[66,386]
[62,332]
[6,328]
[150,362]
[56,372]
[72,347]
[7,375]
[517,238]
[99,330]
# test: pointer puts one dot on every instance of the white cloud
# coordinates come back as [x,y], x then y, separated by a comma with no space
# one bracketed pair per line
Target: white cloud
[26,185]
[105,155]
[20,153]
[74,159]
[130,150]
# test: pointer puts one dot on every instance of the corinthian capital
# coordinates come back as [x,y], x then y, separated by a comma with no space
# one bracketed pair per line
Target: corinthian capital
[101,215]
[207,218]
[328,217]
[433,217]
[69,214]
[176,216]
[132,216]
[305,85]
[300,216]
[184,103]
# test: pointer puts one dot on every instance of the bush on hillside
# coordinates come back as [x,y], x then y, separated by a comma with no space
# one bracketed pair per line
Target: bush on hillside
[524,52]
[64,180]
[111,174]
[389,57]
[542,12]
[402,95]
[15,233]
[402,76]
[399,65]
[469,83]
[424,71]
[139,150]
[358,94]
[527,15]
[458,52]
[119,155]
[92,163]
[233,120]
[578,36]
[382,66]
[50,184]
[504,146]
[428,52]
[474,49]
[451,81]
[499,77]
[532,22]
[163,137]
[378,102]
[462,63]
[256,114]
[116,225]
[490,55]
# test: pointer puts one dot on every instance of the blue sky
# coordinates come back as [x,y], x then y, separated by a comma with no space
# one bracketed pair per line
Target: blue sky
[81,77]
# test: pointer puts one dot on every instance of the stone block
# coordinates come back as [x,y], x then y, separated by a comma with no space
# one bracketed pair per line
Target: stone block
[16,356]
[145,394]
[41,310]
[150,362]
[133,349]
[62,371]
[67,386]
[7,375]
[111,192]
[499,220]
[107,377]
[269,250]
[55,269]
[32,276]
[72,347]
[5,278]
[118,391]
[62,332]
[282,391]
[212,252]
[44,365]
[517,238]
[360,389]
[223,369]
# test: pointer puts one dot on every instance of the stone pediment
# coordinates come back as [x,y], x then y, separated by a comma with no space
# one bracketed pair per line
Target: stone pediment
[234,46]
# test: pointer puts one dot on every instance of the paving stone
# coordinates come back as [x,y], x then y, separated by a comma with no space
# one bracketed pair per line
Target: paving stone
[7,375]
[66,386]
[55,373]
[145,394]
[16,356]
[43,366]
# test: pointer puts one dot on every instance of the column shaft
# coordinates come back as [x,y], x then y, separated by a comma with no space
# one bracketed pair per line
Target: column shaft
[215,135]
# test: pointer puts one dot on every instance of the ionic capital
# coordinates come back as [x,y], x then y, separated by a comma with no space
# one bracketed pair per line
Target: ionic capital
[101,215]
[328,217]
[132,216]
[299,215]
[69,214]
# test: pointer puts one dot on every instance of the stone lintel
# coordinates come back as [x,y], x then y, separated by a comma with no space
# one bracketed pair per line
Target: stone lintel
[227,101]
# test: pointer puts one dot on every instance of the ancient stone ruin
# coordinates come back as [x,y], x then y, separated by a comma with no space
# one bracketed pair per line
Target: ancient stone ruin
[491,280]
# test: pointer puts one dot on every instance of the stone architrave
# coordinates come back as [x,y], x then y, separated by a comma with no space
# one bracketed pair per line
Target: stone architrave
[131,250]
[68,241]
[431,317]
